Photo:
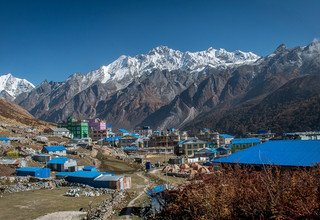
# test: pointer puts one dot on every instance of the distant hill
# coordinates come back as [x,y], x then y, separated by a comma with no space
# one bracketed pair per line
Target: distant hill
[11,113]
[295,106]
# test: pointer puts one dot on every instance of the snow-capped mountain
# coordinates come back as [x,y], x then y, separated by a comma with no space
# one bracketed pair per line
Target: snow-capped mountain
[11,87]
[123,70]
[169,88]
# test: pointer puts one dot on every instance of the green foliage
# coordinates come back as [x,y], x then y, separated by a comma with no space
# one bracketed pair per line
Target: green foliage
[13,154]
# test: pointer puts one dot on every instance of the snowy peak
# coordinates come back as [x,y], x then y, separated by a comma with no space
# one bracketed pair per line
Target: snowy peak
[14,86]
[121,72]
[165,58]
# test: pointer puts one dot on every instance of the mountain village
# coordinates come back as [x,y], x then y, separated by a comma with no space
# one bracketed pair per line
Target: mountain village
[138,138]
[122,169]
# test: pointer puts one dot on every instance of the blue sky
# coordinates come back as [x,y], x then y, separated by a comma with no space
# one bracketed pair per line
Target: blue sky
[42,39]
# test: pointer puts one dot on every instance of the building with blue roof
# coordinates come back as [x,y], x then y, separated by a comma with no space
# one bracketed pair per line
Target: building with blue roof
[122,132]
[189,146]
[90,168]
[223,151]
[5,140]
[41,157]
[130,149]
[156,190]
[226,136]
[127,140]
[205,154]
[114,141]
[33,171]
[54,150]
[243,143]
[285,153]
[61,164]
[225,139]
[97,179]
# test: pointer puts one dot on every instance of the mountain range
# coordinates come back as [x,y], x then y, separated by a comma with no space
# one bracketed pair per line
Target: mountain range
[227,91]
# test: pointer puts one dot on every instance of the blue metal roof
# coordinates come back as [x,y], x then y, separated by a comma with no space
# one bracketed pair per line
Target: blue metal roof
[116,138]
[245,140]
[136,135]
[226,136]
[156,190]
[281,153]
[130,148]
[122,130]
[82,174]
[29,169]
[54,148]
[89,167]
[4,139]
[58,160]
[206,151]
[222,149]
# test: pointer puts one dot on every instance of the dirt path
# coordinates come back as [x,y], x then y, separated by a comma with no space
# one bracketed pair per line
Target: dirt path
[132,202]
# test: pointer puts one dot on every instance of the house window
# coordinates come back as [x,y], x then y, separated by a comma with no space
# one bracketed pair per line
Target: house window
[189,152]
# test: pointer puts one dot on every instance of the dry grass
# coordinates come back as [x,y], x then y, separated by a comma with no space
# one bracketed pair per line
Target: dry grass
[153,158]
[243,193]
[160,178]
[111,164]
[32,204]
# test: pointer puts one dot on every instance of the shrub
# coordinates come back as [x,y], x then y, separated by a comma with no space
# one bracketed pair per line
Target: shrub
[243,193]
[13,154]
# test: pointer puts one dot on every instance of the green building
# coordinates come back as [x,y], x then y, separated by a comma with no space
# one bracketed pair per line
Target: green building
[79,129]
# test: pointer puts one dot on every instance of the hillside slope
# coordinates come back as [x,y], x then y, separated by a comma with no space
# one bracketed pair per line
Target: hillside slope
[13,114]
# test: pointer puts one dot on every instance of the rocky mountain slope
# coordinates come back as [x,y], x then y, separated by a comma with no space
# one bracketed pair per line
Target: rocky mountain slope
[11,87]
[167,88]
[162,74]
[13,114]
[295,106]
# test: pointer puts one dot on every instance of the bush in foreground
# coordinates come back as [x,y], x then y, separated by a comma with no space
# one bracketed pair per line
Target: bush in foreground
[241,193]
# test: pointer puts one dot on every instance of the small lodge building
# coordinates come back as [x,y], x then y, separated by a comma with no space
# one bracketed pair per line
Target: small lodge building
[55,150]
[62,164]
[33,171]
[41,157]
[58,132]
[97,179]
[5,140]
[122,132]
[243,143]
[205,154]
[283,153]
[128,140]
[309,135]
[225,139]
[189,147]
[223,151]
[263,134]
[209,136]
[112,141]
[90,168]
[163,139]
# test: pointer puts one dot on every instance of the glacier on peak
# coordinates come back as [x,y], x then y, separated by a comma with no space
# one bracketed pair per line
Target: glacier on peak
[165,58]
[14,86]
[125,69]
